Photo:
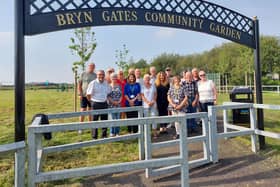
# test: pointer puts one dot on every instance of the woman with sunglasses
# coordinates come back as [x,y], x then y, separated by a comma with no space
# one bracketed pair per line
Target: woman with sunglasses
[207,92]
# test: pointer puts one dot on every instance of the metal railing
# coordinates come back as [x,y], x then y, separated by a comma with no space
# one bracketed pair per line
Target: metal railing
[150,172]
[19,149]
[153,166]
[265,88]
[37,151]
[253,131]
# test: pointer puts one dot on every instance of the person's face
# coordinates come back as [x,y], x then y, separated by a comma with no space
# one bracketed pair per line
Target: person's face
[114,79]
[120,75]
[176,81]
[146,80]
[188,76]
[202,75]
[91,68]
[161,77]
[131,79]
[168,72]
[100,76]
[195,73]
[138,73]
[153,71]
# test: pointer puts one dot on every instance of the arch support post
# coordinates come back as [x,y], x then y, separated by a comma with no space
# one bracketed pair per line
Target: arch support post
[19,61]
[258,79]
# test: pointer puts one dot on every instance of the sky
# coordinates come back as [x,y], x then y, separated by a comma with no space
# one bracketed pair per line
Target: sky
[48,57]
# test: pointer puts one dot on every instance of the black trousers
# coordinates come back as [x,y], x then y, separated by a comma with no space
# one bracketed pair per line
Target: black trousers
[99,105]
[162,111]
[132,129]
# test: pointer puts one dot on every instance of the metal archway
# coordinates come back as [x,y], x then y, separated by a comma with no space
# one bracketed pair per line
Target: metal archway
[42,16]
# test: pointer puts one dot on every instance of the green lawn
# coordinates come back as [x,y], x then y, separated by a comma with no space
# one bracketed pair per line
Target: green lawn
[52,101]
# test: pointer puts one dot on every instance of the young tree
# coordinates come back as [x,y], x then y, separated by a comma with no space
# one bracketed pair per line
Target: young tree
[83,44]
[121,56]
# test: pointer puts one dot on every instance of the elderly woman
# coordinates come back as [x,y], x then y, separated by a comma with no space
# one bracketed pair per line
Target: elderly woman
[115,98]
[149,97]
[207,92]
[177,98]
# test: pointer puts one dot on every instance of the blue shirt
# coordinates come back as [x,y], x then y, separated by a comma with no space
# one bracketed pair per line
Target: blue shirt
[132,90]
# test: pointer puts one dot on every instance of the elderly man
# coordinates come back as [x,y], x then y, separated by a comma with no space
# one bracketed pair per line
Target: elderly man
[97,93]
[153,74]
[195,74]
[139,79]
[191,88]
[85,78]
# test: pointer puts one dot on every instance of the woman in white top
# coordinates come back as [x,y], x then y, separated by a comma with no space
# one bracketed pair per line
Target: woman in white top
[207,92]
[149,98]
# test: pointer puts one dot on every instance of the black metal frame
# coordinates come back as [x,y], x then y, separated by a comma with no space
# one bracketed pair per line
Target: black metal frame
[38,16]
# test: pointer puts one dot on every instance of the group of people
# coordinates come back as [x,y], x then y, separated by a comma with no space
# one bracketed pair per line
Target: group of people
[159,93]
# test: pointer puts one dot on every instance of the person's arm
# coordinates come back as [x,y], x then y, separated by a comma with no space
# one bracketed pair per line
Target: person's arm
[154,98]
[171,102]
[80,88]
[196,98]
[89,91]
[214,92]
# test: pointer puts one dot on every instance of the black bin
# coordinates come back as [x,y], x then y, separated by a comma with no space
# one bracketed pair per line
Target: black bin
[242,95]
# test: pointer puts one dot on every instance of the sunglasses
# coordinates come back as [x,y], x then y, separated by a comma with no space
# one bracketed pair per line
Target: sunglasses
[202,75]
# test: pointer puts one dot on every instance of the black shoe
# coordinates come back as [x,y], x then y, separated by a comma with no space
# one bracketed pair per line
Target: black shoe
[177,136]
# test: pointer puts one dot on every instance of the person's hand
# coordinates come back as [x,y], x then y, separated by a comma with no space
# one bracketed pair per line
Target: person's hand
[215,102]
[131,102]
[81,97]
[194,104]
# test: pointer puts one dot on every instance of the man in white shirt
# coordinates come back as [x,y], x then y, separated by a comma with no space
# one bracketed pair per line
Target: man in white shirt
[97,93]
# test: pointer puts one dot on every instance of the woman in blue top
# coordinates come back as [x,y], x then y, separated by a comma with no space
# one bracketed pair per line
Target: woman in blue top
[132,94]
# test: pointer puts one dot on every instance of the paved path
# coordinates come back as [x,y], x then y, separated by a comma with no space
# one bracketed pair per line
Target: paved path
[237,166]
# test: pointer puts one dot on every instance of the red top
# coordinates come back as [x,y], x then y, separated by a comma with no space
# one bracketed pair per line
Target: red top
[122,83]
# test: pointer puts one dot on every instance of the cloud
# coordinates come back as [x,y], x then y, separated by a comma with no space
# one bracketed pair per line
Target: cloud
[165,33]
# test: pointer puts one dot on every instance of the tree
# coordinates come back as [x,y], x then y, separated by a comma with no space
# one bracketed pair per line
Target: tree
[83,45]
[270,54]
[121,56]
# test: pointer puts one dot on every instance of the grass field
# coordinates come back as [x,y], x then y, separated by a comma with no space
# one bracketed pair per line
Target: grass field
[52,101]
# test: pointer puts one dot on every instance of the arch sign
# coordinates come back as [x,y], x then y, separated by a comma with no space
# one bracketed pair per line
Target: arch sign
[45,16]
[42,16]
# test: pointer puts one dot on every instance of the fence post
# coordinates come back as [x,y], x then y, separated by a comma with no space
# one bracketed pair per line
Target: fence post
[20,167]
[141,140]
[148,151]
[212,113]
[253,126]
[32,158]
[225,117]
[184,153]
[205,132]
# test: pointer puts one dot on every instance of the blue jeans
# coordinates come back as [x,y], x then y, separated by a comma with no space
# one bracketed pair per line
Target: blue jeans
[115,130]
[204,106]
[191,124]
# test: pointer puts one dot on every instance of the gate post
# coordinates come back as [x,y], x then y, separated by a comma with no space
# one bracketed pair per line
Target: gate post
[212,114]
[19,71]
[258,79]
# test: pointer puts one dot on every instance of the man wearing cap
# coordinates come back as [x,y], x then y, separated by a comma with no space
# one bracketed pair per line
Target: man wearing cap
[168,73]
